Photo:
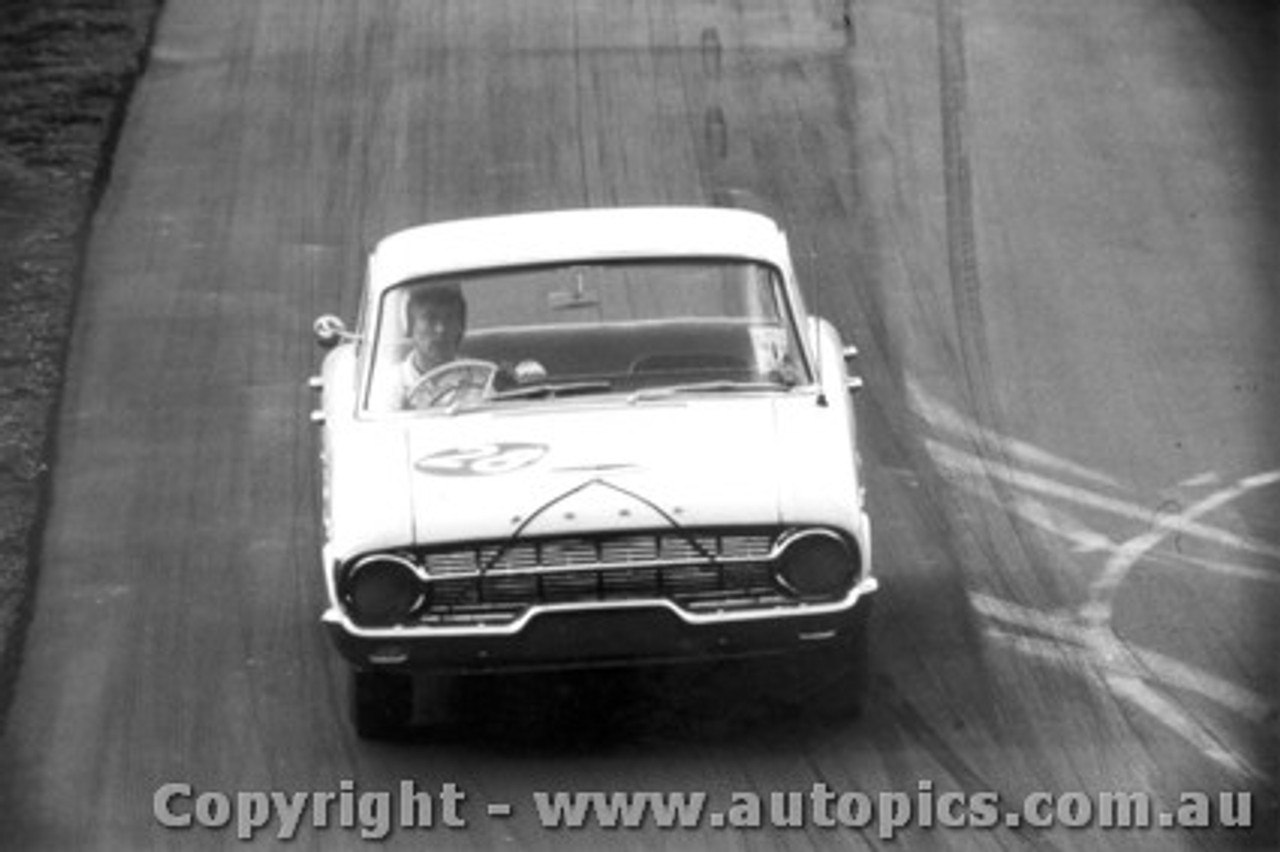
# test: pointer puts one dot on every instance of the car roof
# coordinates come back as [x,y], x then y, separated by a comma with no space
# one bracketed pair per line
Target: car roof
[574,235]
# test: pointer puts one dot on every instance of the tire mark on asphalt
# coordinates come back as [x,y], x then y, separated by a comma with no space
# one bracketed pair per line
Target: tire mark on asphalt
[715,126]
[1098,610]
[848,25]
[1130,672]
[956,461]
[712,53]
[579,113]
[964,271]
[914,724]
[962,253]
[715,132]
[946,418]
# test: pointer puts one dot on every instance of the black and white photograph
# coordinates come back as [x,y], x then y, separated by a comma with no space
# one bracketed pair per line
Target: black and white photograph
[640,424]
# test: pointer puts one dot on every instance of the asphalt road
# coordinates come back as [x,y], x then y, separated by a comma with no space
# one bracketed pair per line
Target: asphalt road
[1049,226]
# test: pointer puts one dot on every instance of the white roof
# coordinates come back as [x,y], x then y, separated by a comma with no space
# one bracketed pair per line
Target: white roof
[570,235]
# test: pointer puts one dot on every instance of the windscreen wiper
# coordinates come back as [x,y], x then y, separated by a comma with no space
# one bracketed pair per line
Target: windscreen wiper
[547,390]
[717,386]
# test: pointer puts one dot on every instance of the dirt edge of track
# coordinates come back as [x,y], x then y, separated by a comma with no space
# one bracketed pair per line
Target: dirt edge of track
[67,70]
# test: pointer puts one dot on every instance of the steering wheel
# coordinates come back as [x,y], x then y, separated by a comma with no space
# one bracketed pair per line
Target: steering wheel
[463,380]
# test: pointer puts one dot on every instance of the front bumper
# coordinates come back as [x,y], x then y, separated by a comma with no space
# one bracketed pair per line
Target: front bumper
[630,633]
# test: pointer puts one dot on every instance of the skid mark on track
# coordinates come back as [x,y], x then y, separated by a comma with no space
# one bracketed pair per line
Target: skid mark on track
[1085,540]
[1061,524]
[1053,635]
[580,74]
[1217,566]
[963,268]
[1169,713]
[1085,639]
[715,132]
[712,51]
[947,419]
[915,725]
[956,461]
[1102,591]
[1128,678]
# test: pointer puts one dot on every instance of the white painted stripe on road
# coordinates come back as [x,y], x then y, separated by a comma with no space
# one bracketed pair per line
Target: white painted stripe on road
[1087,641]
[1085,540]
[1173,717]
[1175,673]
[1102,590]
[942,416]
[1120,672]
[1227,569]
[1207,478]
[1103,648]
[1060,627]
[1062,524]
[959,461]
[1056,651]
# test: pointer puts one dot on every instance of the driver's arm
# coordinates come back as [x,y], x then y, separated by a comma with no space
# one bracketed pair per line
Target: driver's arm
[406,379]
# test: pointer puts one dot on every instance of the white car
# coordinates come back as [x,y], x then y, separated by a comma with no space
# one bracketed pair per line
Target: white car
[644,450]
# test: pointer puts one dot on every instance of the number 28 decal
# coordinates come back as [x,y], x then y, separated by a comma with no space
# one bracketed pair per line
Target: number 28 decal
[481,460]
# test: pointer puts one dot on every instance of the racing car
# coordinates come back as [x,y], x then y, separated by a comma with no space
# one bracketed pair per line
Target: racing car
[605,437]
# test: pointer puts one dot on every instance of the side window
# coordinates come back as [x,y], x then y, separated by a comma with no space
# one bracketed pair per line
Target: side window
[388,346]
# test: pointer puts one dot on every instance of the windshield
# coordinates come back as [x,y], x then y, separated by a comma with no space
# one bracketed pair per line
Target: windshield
[641,328]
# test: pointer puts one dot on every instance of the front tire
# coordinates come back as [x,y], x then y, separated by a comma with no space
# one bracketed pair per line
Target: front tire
[381,704]
[832,683]
[844,673]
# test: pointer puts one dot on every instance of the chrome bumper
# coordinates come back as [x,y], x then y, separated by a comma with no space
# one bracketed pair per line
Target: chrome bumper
[601,633]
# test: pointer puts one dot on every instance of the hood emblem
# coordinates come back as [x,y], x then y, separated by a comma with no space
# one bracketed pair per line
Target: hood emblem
[481,459]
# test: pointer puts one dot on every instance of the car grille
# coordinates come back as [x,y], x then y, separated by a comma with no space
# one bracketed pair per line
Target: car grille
[699,571]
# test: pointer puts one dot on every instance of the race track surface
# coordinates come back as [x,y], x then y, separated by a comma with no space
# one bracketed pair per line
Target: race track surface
[1048,226]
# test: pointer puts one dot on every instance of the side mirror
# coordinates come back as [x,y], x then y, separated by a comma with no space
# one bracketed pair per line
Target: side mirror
[330,331]
[854,381]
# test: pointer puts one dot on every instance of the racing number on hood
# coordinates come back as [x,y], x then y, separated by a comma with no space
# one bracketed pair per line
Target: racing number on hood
[481,460]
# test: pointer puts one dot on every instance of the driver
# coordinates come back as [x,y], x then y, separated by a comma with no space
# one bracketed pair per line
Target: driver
[437,319]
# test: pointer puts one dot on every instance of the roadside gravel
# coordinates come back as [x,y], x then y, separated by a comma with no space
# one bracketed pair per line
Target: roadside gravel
[67,68]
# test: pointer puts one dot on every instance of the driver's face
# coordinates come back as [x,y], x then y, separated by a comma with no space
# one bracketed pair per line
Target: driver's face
[437,332]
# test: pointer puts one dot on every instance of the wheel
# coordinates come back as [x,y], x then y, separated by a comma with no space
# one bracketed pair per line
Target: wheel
[465,380]
[381,704]
[834,681]
[844,675]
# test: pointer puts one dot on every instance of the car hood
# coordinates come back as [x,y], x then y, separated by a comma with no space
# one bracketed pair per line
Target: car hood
[580,468]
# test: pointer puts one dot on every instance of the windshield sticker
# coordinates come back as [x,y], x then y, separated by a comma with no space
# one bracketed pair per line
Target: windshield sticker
[770,345]
[481,460]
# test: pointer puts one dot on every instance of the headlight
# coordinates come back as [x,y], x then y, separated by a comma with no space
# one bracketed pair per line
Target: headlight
[817,564]
[381,590]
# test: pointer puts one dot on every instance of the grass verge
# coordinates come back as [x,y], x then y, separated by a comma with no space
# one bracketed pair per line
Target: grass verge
[67,68]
